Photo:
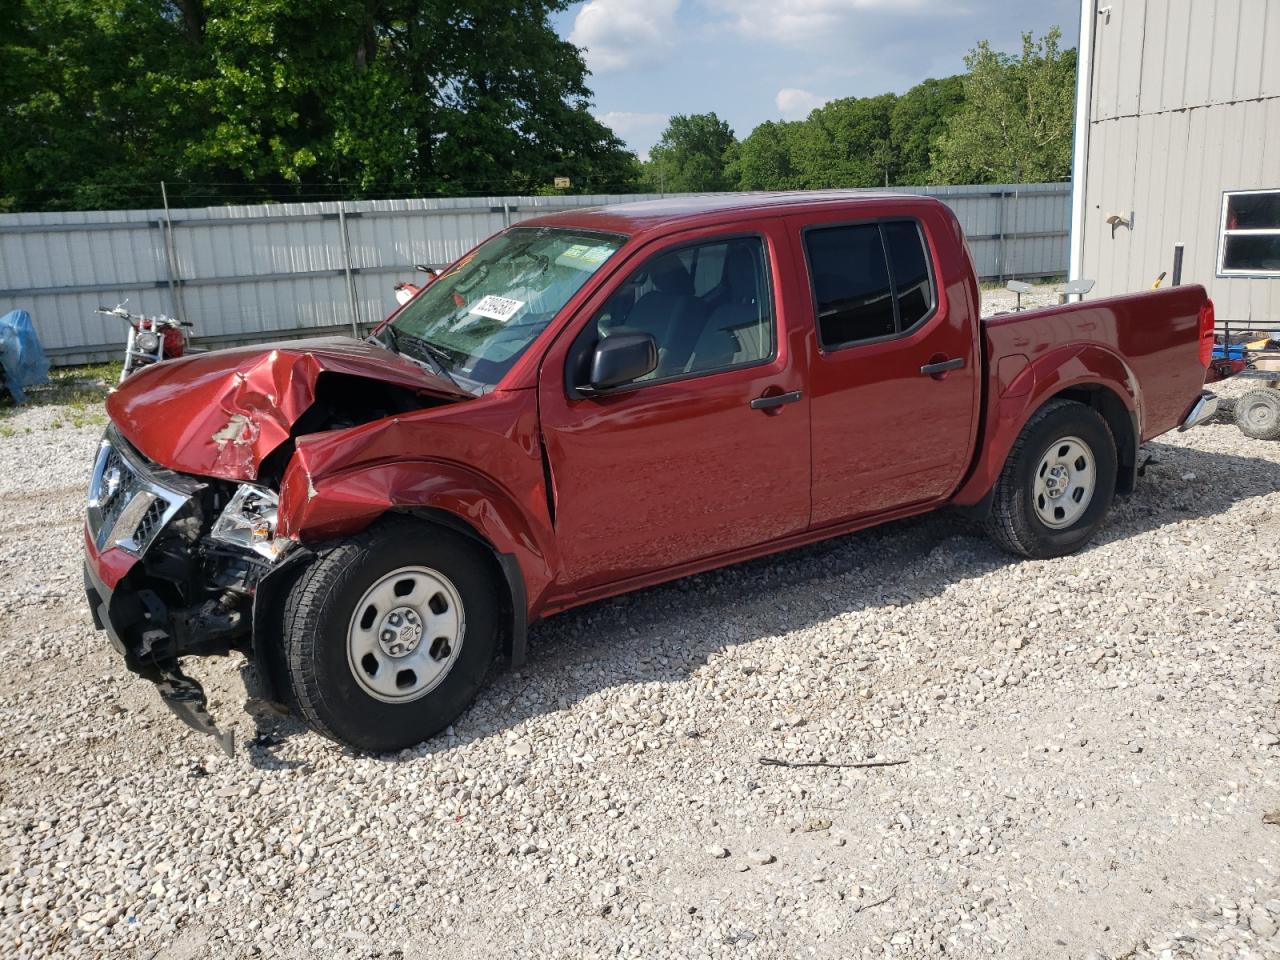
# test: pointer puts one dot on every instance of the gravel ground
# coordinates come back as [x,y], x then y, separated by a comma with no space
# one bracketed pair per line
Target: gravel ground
[1090,748]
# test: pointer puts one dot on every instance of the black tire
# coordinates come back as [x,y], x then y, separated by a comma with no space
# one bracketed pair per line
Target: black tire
[1014,522]
[1258,414]
[319,609]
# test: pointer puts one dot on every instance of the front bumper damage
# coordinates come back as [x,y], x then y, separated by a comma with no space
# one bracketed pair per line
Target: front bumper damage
[159,586]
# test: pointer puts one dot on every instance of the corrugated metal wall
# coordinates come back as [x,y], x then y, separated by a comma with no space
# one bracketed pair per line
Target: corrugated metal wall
[1185,105]
[265,272]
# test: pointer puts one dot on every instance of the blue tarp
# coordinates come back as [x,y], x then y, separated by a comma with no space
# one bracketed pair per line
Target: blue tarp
[21,355]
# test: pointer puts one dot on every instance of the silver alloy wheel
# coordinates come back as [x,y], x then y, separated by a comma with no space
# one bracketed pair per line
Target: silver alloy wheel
[405,634]
[1064,482]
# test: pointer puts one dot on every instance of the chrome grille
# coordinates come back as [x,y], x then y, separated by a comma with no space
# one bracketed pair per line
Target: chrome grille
[127,507]
[150,523]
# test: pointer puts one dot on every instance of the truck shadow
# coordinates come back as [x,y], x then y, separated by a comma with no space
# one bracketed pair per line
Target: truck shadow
[664,633]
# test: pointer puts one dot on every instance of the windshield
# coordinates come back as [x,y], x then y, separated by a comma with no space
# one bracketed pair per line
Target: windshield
[475,321]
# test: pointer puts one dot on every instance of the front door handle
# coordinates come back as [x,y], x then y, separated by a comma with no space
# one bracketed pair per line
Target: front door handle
[942,366]
[775,400]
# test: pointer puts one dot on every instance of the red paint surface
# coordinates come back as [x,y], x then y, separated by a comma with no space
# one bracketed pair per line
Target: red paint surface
[112,564]
[673,472]
[1144,348]
[668,479]
[220,414]
[899,437]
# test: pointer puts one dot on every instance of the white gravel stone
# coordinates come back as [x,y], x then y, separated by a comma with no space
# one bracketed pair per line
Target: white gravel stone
[1014,690]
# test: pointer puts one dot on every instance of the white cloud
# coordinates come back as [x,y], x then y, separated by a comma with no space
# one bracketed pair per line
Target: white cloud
[625,124]
[802,21]
[796,104]
[620,34]
[640,130]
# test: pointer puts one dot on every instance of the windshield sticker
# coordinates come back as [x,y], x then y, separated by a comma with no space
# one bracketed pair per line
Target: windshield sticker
[501,309]
[585,255]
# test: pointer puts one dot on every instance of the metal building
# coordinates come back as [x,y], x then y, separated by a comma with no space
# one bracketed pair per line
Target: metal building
[1178,141]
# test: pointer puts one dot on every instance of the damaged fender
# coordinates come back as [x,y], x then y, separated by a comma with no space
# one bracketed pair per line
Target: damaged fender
[221,414]
[314,509]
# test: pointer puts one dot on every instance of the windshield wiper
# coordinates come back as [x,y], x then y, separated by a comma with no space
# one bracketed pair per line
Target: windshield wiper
[438,358]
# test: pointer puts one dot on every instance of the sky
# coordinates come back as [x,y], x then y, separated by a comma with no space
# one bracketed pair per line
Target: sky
[756,60]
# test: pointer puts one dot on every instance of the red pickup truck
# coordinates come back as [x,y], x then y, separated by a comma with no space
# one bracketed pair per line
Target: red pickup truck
[592,402]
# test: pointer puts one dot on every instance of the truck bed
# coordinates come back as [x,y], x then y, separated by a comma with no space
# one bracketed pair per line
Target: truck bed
[1151,339]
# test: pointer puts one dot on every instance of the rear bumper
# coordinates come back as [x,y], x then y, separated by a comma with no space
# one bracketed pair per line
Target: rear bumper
[1202,410]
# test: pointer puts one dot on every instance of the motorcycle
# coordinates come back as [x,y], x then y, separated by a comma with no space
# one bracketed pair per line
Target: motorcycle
[406,291]
[151,339]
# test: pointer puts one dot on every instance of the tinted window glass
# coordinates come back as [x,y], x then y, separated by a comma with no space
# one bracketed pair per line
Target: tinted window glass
[477,319]
[1253,211]
[708,307]
[910,272]
[1254,252]
[850,283]
[708,268]
[1251,234]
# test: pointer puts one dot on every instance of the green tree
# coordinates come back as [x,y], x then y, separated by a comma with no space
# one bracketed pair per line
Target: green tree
[292,99]
[846,143]
[765,159]
[917,123]
[692,156]
[1016,122]
[82,84]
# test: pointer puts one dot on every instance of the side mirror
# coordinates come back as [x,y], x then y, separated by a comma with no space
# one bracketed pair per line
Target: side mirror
[429,271]
[620,359]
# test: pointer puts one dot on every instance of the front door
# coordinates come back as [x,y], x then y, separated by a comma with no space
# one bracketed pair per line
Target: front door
[708,453]
[894,382]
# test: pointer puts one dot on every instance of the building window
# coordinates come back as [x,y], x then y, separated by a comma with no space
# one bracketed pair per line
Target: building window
[1250,241]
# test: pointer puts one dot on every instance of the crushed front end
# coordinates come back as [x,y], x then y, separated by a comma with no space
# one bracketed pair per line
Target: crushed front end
[172,567]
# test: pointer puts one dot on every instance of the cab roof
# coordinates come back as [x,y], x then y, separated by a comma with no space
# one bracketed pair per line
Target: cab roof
[646,215]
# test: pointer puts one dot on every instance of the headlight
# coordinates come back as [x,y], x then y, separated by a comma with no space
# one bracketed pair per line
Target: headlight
[249,521]
[146,341]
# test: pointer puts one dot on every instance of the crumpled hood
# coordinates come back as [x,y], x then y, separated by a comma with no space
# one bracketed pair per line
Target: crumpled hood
[220,414]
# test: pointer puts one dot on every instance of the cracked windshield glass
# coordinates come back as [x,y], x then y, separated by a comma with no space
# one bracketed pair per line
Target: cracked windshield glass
[473,323]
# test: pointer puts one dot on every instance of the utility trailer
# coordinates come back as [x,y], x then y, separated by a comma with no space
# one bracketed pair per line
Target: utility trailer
[1244,354]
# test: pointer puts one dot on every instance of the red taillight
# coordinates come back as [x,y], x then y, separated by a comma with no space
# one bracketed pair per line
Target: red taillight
[1206,333]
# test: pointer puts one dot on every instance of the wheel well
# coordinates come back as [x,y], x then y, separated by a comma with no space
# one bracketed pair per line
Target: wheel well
[1122,423]
[506,575]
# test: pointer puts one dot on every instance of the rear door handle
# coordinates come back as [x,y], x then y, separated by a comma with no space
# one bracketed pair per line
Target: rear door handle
[775,400]
[942,366]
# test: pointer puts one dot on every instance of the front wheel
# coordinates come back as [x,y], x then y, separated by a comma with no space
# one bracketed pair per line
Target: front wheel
[389,634]
[1057,483]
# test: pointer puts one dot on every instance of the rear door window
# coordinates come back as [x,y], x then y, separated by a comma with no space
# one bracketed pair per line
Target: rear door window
[870,280]
[910,272]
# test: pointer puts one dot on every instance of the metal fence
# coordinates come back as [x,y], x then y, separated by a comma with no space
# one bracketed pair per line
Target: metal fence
[254,273]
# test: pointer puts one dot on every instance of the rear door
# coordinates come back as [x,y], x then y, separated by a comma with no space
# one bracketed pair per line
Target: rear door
[894,384]
[708,454]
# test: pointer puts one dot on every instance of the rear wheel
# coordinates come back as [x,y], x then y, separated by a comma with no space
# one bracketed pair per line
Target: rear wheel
[1258,414]
[388,636]
[1057,483]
